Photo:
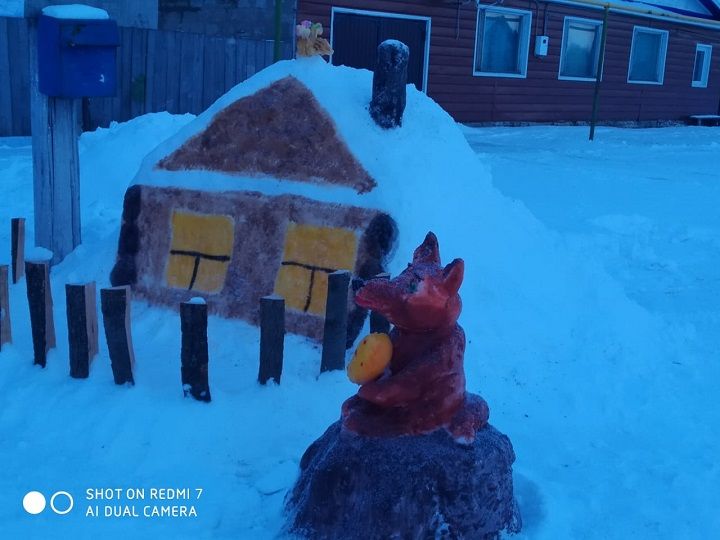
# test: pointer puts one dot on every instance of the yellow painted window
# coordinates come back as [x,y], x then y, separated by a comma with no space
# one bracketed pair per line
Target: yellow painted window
[310,254]
[200,251]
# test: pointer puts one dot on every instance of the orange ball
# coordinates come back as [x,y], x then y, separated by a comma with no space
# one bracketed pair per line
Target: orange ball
[370,359]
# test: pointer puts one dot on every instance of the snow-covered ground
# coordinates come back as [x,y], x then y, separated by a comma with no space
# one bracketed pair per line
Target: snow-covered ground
[591,333]
[643,203]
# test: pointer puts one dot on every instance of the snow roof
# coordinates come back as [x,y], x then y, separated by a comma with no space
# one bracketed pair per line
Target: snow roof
[280,131]
[342,94]
[703,9]
[75,12]
[692,8]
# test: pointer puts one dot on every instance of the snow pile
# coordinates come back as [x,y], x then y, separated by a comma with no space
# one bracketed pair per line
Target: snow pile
[564,359]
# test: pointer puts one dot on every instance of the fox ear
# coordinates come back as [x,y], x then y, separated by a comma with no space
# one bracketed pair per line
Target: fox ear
[428,251]
[453,275]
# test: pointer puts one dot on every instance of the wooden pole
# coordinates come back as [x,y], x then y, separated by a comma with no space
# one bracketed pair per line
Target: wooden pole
[378,323]
[115,306]
[598,75]
[335,334]
[17,248]
[272,338]
[41,309]
[82,328]
[194,354]
[56,125]
[5,328]
[277,45]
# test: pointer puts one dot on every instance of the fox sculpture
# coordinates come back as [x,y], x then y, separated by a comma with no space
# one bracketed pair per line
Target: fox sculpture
[423,388]
[413,455]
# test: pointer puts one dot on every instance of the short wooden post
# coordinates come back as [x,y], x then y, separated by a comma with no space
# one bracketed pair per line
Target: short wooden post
[336,312]
[56,125]
[194,355]
[41,309]
[5,329]
[82,327]
[378,323]
[389,91]
[17,248]
[115,307]
[272,338]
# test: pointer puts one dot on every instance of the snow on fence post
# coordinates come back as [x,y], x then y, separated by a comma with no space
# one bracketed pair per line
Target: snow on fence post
[336,315]
[115,306]
[82,327]
[5,329]
[378,323]
[41,309]
[17,248]
[272,338]
[194,354]
[389,91]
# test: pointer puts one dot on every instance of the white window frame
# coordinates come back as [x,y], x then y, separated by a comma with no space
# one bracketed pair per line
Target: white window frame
[703,82]
[566,25]
[523,46]
[661,59]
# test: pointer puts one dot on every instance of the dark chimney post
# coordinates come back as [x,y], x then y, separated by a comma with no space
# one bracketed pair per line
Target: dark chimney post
[389,84]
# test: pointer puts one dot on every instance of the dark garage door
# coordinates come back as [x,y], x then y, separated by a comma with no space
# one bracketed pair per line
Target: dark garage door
[356,38]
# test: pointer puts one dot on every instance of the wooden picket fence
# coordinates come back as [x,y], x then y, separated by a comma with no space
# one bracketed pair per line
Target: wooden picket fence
[158,70]
[115,302]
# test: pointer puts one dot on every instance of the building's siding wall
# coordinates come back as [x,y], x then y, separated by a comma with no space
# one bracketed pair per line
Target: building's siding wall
[541,97]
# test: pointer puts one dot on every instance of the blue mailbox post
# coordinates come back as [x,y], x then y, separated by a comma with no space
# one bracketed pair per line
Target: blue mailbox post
[75,55]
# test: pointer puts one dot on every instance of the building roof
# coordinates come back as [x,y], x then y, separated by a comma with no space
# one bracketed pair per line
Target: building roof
[695,9]
[705,9]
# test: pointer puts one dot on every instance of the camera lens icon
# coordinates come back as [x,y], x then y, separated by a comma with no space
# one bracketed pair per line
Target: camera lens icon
[61,502]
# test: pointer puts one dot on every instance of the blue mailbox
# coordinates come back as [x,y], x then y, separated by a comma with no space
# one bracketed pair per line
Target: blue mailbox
[77,57]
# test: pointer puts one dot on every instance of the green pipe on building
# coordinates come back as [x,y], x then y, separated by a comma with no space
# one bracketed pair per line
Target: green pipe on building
[598,74]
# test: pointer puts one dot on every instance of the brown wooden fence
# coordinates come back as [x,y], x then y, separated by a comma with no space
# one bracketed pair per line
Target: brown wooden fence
[158,70]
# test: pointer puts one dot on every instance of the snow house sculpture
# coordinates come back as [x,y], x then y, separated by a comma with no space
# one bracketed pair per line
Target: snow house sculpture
[243,203]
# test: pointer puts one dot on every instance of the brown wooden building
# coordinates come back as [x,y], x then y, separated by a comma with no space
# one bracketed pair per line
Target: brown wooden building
[484,62]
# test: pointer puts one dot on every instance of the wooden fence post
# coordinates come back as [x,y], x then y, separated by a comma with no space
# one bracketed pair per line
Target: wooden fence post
[17,248]
[194,355]
[82,327]
[41,309]
[335,333]
[378,323]
[272,338]
[115,306]
[56,125]
[5,329]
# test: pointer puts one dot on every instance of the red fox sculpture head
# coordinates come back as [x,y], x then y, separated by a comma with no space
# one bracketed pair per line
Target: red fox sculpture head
[424,297]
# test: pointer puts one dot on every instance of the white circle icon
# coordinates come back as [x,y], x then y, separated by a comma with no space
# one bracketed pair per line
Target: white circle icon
[34,502]
[70,503]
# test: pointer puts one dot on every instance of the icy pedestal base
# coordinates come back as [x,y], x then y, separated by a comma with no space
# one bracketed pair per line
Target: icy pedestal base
[407,487]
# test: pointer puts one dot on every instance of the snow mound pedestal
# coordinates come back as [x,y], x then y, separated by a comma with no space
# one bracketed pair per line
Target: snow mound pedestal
[425,486]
